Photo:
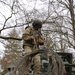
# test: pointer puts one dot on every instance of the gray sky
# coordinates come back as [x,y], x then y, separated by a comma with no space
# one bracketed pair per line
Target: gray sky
[5,13]
[29,4]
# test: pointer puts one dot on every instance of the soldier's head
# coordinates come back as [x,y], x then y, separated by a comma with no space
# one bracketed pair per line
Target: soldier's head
[37,24]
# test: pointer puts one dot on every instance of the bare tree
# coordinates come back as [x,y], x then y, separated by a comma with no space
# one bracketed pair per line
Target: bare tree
[58,19]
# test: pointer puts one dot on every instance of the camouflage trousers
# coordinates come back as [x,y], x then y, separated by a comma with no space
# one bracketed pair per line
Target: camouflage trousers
[36,60]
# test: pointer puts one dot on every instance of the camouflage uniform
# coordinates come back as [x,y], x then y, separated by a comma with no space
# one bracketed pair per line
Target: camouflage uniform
[30,45]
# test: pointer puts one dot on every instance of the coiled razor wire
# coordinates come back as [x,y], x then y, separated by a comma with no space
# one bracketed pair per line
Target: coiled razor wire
[57,65]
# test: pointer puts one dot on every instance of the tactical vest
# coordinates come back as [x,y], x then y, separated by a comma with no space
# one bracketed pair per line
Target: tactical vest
[30,42]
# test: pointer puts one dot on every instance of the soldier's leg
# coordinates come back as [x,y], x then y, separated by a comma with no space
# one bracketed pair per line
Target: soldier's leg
[37,65]
[27,50]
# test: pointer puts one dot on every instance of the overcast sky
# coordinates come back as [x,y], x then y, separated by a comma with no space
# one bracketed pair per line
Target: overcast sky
[5,12]
[29,4]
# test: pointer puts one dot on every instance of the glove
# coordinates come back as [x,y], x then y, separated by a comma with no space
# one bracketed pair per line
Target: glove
[32,37]
[41,41]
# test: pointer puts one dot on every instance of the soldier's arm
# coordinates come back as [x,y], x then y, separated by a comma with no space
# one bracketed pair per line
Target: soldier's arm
[42,37]
[41,40]
[26,35]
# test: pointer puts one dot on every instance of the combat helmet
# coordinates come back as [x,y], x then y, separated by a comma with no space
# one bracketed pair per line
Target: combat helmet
[37,23]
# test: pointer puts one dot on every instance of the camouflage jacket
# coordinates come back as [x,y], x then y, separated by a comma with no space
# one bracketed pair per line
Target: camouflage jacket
[26,37]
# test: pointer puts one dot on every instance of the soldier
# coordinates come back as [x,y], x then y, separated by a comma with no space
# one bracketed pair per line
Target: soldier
[32,38]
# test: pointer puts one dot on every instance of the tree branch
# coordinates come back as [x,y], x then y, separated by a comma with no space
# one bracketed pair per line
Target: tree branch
[13,38]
